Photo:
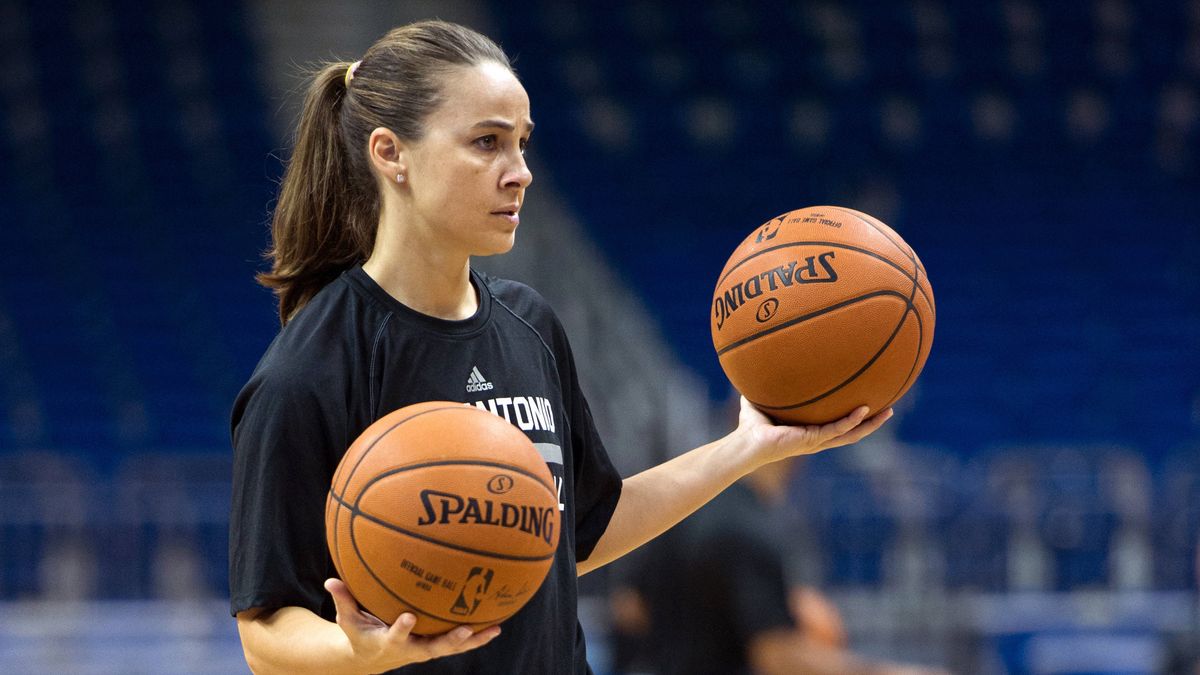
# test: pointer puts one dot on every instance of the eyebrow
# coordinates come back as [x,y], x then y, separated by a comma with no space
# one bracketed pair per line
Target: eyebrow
[503,124]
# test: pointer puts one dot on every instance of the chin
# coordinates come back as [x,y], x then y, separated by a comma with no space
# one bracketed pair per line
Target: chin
[497,247]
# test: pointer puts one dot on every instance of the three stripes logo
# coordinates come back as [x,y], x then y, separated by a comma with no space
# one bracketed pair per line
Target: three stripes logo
[477,382]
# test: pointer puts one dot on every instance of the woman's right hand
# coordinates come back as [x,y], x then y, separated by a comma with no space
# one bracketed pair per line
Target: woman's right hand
[379,647]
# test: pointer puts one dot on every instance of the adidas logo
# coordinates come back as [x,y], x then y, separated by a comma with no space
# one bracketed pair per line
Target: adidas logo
[477,382]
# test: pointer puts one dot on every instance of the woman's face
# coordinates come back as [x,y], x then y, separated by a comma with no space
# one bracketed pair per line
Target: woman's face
[467,174]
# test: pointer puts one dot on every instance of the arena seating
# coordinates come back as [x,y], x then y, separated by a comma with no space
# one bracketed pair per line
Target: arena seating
[1044,167]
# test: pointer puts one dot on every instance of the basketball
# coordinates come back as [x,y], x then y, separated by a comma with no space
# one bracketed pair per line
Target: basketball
[443,510]
[819,311]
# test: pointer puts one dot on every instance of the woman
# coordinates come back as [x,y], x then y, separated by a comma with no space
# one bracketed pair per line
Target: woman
[406,164]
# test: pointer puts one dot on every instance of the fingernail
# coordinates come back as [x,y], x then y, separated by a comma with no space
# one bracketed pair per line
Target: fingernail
[462,633]
[407,620]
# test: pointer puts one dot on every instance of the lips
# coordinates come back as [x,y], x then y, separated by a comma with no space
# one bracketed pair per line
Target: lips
[509,213]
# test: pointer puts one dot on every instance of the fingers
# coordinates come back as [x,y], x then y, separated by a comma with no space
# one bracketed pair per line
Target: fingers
[857,433]
[479,639]
[349,614]
[844,425]
[342,599]
[750,413]
[460,640]
[402,628]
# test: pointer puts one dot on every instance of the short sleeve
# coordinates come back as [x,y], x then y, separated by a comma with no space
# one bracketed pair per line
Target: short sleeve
[283,440]
[596,481]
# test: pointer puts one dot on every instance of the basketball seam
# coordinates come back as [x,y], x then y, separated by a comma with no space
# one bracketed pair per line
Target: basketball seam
[859,215]
[809,242]
[336,554]
[445,462]
[369,448]
[847,247]
[916,359]
[356,511]
[909,308]
[855,376]
[370,570]
[805,317]
[910,253]
[920,332]
[920,341]
[337,549]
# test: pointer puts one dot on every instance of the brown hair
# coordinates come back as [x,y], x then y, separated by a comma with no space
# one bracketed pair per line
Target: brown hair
[328,208]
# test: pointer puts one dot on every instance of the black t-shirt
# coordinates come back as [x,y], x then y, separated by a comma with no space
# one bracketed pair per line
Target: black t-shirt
[712,583]
[354,354]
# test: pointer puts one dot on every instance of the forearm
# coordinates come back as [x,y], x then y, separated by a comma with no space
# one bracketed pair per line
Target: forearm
[787,652]
[294,640]
[656,499]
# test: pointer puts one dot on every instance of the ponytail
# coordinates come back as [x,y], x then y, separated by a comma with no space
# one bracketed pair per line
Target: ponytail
[323,222]
[327,213]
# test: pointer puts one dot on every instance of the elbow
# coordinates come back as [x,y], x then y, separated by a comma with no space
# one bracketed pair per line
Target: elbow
[257,664]
[253,661]
[245,625]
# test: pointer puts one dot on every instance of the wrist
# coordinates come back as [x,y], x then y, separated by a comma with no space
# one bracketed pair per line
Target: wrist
[745,448]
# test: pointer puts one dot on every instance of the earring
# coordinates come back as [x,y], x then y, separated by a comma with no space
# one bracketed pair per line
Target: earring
[399,178]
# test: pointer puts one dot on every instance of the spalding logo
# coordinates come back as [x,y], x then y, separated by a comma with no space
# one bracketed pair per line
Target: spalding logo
[782,276]
[440,507]
[499,484]
[767,309]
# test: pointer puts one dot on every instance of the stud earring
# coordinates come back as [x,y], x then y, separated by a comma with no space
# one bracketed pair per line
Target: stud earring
[399,178]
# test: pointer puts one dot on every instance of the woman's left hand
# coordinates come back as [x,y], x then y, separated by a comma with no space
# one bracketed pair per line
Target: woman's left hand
[772,442]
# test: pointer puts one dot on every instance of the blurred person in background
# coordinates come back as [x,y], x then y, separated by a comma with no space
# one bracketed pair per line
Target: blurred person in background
[408,163]
[711,596]
[1181,656]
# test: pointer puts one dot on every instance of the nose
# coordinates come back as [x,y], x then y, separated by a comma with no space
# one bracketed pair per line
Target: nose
[517,175]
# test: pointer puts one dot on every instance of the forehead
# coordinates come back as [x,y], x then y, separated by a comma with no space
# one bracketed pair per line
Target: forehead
[484,91]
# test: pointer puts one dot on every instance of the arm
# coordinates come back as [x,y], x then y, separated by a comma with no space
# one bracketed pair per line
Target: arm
[787,652]
[294,640]
[658,498]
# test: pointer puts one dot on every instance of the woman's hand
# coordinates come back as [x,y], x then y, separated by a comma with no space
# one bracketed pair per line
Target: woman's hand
[378,647]
[772,442]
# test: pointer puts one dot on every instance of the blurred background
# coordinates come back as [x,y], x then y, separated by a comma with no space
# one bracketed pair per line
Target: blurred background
[1034,509]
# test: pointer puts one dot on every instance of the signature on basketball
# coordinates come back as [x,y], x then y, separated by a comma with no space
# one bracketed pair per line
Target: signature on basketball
[505,594]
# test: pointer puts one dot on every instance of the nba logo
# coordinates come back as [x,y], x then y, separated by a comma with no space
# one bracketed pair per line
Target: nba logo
[474,587]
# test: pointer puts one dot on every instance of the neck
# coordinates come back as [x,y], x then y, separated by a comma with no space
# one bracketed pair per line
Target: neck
[417,271]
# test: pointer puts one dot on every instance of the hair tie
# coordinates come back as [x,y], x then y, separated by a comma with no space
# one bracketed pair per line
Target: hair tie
[350,72]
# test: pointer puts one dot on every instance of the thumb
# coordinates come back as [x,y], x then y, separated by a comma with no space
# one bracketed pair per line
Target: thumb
[748,413]
[342,597]
[348,611]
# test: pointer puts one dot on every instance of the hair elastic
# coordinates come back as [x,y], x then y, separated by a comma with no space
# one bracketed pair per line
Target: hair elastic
[350,72]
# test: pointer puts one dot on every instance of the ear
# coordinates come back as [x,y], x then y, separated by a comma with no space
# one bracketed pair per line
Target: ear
[387,153]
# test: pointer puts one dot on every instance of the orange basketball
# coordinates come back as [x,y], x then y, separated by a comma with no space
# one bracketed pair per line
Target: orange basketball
[445,511]
[822,310]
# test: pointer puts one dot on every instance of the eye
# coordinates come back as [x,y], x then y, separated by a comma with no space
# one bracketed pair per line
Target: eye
[524,145]
[486,142]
